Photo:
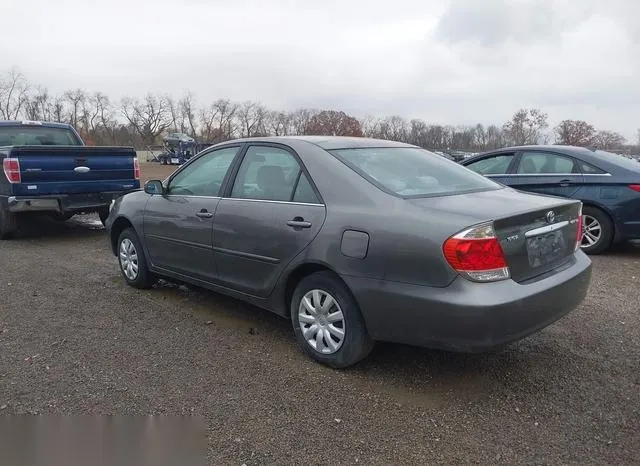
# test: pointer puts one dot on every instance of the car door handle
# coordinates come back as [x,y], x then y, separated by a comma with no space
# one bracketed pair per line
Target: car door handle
[565,182]
[299,222]
[204,214]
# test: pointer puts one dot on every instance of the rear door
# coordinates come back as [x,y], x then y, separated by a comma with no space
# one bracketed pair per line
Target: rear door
[546,172]
[272,212]
[495,166]
[178,224]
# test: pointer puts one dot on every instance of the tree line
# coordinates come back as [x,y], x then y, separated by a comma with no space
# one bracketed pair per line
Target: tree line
[141,122]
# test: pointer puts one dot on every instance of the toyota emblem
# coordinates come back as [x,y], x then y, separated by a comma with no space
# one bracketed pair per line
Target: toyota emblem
[551,216]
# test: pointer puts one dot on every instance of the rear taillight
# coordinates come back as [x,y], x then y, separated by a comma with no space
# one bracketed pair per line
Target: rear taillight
[580,226]
[11,169]
[136,168]
[635,187]
[477,255]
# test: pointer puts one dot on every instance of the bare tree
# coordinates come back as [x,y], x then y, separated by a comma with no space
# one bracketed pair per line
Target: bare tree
[278,123]
[334,123]
[609,140]
[218,121]
[525,127]
[37,106]
[575,133]
[394,128]
[251,116]
[149,118]
[75,100]
[14,90]
[187,113]
[301,118]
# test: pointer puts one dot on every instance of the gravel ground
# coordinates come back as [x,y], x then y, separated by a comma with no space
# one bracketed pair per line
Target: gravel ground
[75,339]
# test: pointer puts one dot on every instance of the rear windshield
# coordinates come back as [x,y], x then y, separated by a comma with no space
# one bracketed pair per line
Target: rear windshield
[620,160]
[413,172]
[36,136]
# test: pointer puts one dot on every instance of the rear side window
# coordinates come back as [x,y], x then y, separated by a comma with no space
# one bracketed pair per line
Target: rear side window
[36,136]
[496,165]
[590,169]
[539,163]
[413,172]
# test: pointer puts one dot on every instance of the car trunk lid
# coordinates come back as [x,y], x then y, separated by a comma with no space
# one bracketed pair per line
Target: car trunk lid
[537,233]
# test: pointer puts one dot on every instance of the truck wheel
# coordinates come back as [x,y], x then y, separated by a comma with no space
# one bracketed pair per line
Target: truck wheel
[8,223]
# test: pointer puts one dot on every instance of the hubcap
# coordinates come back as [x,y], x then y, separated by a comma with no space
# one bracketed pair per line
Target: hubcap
[128,259]
[321,321]
[592,231]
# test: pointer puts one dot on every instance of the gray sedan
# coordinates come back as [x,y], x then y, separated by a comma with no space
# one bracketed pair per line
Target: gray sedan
[357,240]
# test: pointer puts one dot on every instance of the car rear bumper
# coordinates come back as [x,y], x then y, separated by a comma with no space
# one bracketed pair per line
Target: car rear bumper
[467,316]
[61,202]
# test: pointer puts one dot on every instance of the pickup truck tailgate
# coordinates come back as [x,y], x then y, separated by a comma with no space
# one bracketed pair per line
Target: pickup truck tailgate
[74,169]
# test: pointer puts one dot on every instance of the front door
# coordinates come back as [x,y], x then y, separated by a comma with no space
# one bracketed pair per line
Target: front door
[272,213]
[178,225]
[547,173]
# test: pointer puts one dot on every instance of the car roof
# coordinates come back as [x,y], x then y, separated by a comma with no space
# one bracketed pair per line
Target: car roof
[42,124]
[328,142]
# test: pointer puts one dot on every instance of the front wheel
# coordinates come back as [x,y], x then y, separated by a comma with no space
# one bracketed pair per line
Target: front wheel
[597,230]
[327,322]
[133,262]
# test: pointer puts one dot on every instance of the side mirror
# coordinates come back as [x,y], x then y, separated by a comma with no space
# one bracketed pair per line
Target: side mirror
[153,187]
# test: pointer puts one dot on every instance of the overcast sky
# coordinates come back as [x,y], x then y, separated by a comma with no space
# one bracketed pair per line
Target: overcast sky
[449,62]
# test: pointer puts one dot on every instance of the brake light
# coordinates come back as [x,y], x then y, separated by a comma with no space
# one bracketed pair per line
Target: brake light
[476,254]
[136,168]
[579,229]
[11,169]
[635,187]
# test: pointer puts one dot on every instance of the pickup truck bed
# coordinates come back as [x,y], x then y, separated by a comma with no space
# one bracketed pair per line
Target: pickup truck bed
[62,180]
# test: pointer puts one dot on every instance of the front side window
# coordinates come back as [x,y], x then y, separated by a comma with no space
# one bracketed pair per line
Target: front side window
[413,172]
[496,165]
[267,173]
[545,163]
[204,176]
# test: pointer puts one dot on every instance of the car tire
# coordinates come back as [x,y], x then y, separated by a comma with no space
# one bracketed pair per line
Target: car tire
[132,261]
[598,231]
[8,223]
[333,351]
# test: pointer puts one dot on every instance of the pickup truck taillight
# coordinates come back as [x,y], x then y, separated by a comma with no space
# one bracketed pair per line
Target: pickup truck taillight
[136,168]
[11,169]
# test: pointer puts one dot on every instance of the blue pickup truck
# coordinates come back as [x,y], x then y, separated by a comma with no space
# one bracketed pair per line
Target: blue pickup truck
[48,168]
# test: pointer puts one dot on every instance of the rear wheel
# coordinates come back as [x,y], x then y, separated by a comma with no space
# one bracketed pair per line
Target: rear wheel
[597,233]
[327,321]
[8,223]
[133,262]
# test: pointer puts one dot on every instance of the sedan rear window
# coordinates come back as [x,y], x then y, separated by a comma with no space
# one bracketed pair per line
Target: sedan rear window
[413,172]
